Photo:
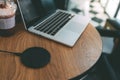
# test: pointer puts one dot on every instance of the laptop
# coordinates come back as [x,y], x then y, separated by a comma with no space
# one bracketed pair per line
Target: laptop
[41,17]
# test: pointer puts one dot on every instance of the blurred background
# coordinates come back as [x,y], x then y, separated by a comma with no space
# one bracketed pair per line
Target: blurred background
[99,11]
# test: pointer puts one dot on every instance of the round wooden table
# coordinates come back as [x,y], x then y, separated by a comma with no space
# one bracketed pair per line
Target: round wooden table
[66,62]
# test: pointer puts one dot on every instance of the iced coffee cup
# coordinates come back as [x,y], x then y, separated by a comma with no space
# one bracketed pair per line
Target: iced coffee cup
[7,18]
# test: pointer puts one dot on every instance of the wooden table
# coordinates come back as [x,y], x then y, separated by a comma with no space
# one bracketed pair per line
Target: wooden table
[65,63]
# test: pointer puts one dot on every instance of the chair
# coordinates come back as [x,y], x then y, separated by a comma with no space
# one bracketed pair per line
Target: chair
[108,66]
[112,24]
[111,62]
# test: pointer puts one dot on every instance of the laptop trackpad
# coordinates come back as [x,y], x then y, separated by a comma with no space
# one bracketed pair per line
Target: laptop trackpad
[67,36]
[76,27]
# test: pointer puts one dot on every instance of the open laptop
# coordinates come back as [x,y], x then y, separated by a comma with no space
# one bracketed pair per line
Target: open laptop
[43,18]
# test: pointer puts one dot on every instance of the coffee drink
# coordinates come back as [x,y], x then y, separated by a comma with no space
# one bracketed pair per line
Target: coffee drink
[7,18]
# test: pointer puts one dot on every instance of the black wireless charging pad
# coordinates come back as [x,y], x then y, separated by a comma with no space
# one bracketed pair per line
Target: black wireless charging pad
[35,57]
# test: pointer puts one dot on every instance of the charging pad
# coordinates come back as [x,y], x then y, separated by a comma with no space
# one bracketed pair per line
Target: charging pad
[35,57]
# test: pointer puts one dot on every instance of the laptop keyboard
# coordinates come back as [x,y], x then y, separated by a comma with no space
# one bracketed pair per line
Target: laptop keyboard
[54,23]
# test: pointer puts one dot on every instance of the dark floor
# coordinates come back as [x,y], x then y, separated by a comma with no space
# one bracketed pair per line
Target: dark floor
[93,76]
[99,72]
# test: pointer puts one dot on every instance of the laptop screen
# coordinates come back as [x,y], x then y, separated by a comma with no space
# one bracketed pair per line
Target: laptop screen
[32,10]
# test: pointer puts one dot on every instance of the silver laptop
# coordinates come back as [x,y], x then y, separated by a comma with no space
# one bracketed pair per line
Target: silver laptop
[43,18]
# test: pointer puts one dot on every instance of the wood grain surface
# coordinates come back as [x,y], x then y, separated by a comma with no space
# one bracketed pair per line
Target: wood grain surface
[66,62]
